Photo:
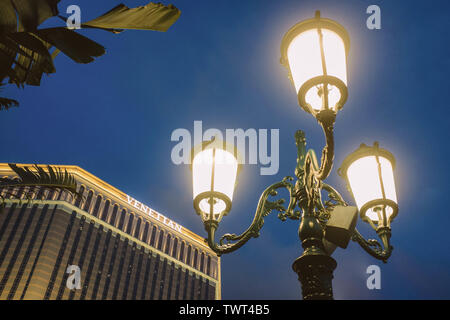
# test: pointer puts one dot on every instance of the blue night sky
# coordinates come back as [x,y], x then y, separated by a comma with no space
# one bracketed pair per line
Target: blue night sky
[219,63]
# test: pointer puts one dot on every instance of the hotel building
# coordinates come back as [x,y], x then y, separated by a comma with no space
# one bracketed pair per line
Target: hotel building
[121,248]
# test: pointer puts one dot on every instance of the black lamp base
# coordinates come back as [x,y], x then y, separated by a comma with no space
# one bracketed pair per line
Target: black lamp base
[315,273]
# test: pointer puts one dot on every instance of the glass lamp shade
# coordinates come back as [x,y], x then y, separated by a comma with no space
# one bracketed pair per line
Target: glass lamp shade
[315,53]
[370,178]
[214,172]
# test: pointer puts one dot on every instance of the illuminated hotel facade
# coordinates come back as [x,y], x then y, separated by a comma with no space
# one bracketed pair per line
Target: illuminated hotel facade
[123,248]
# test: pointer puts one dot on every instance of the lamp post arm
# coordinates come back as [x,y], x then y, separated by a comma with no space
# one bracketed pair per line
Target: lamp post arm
[326,162]
[309,174]
[326,120]
[303,157]
[373,247]
[264,208]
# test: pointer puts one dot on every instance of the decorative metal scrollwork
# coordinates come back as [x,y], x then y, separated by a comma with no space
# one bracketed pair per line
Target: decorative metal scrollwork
[264,208]
[307,195]
[373,247]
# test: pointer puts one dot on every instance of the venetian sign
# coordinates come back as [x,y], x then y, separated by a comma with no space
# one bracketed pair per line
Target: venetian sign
[156,215]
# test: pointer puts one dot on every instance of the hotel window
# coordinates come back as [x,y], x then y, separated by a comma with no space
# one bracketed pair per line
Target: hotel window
[105,210]
[153,237]
[122,219]
[78,201]
[40,194]
[61,195]
[112,219]
[213,268]
[88,201]
[182,251]
[3,191]
[208,266]
[188,255]
[145,234]
[175,247]
[138,227]
[130,223]
[202,262]
[167,248]
[97,205]
[19,193]
[195,262]
[31,192]
[8,192]
[161,238]
[50,195]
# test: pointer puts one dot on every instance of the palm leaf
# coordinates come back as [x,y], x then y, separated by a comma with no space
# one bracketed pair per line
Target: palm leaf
[7,57]
[33,58]
[6,103]
[25,50]
[49,177]
[76,46]
[24,58]
[153,16]
[32,13]
[8,19]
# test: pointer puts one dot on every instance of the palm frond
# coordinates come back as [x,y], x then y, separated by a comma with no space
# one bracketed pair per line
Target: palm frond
[49,177]
[74,45]
[30,13]
[25,50]
[6,103]
[153,16]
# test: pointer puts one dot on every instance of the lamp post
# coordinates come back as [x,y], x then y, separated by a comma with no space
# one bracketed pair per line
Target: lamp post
[315,53]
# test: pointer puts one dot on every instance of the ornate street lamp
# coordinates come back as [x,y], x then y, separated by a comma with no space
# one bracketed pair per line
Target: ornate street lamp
[214,171]
[369,172]
[315,54]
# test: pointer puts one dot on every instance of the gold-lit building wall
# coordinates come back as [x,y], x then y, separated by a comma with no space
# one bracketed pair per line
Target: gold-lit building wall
[124,250]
